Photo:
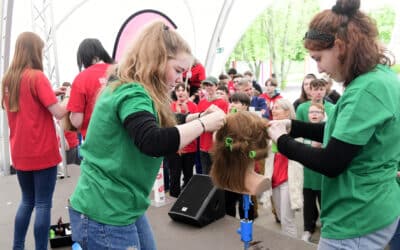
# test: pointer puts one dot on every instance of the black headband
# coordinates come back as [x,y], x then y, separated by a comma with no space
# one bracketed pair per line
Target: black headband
[321,36]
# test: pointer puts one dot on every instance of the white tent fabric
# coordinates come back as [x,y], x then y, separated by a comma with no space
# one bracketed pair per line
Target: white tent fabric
[206,25]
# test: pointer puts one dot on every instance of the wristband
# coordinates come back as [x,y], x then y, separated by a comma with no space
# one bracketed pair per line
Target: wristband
[202,124]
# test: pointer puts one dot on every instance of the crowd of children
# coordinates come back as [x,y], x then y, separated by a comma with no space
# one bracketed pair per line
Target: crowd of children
[324,160]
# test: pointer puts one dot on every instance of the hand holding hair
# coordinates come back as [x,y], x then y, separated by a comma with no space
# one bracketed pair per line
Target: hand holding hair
[276,129]
[213,121]
[211,109]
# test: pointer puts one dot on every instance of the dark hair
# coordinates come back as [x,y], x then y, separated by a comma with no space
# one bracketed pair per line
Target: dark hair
[89,50]
[248,73]
[241,97]
[303,95]
[66,84]
[223,77]
[237,75]
[182,85]
[273,82]
[345,24]
[317,83]
[232,71]
[223,88]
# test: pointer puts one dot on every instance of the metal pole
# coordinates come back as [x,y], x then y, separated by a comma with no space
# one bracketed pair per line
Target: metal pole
[6,21]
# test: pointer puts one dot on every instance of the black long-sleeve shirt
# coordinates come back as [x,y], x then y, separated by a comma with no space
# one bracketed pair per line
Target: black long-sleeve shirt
[330,161]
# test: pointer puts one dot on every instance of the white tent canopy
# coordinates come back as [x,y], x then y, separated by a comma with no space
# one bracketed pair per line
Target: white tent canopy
[206,25]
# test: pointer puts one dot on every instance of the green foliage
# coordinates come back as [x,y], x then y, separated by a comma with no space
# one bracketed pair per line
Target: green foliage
[385,18]
[396,68]
[277,35]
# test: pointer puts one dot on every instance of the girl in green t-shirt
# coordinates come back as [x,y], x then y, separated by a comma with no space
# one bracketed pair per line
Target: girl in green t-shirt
[360,153]
[126,141]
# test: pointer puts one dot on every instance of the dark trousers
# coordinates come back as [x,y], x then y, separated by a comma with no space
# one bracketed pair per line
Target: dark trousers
[178,164]
[231,200]
[310,210]
[206,162]
[197,160]
[73,156]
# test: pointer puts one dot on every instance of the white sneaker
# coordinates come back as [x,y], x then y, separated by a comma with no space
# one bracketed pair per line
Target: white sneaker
[306,236]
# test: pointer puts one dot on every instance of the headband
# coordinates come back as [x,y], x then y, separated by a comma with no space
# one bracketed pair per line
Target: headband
[318,35]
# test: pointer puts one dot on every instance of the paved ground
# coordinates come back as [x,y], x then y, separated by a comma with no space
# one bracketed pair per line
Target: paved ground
[10,196]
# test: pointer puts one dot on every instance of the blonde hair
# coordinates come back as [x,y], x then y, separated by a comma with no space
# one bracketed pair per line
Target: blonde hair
[285,104]
[318,105]
[248,137]
[145,63]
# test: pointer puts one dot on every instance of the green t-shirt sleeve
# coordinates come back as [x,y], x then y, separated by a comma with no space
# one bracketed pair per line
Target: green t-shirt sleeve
[132,98]
[300,112]
[358,118]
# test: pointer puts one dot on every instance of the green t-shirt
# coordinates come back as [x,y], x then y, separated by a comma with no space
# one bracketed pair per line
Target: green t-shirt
[365,197]
[116,178]
[312,179]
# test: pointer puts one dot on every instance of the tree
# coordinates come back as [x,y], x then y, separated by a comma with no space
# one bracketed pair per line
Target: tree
[277,35]
[251,48]
[385,18]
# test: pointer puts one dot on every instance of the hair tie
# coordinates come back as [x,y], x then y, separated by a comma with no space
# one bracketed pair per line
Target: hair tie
[233,110]
[252,154]
[339,10]
[228,143]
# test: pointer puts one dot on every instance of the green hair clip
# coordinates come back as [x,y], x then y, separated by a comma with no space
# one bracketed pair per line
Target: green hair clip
[233,110]
[252,154]
[228,143]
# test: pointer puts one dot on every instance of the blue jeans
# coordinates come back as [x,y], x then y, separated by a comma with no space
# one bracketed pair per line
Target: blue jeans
[94,235]
[37,189]
[377,240]
[395,241]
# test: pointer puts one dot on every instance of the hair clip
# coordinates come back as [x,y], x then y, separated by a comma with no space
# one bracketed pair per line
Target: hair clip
[252,154]
[228,143]
[165,27]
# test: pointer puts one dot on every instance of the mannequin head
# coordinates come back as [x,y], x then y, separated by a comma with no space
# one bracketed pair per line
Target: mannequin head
[241,141]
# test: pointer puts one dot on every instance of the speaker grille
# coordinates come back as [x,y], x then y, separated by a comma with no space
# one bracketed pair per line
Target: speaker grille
[199,203]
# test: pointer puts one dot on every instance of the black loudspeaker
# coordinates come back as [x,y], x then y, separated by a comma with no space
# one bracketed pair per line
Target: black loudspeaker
[199,203]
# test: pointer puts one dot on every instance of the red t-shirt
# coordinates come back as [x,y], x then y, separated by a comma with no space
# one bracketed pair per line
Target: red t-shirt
[231,88]
[71,138]
[280,174]
[198,75]
[270,101]
[85,88]
[192,108]
[206,138]
[33,137]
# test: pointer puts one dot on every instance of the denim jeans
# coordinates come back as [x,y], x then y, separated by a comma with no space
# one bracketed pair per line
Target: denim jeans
[395,241]
[94,235]
[377,240]
[37,189]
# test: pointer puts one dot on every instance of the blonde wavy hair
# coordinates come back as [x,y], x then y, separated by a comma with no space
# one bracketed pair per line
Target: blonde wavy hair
[145,63]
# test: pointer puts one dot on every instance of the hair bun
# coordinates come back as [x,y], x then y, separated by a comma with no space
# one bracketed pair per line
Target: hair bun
[346,7]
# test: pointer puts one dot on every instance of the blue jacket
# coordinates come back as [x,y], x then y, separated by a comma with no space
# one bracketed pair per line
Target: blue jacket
[259,104]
